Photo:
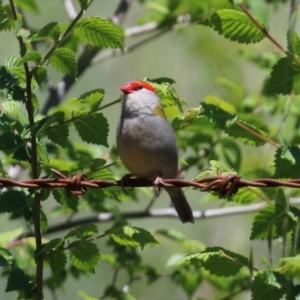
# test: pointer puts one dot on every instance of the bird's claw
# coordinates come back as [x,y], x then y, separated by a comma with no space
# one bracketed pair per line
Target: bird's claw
[124,181]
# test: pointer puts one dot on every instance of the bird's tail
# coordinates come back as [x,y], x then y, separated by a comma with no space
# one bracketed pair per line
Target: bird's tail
[181,205]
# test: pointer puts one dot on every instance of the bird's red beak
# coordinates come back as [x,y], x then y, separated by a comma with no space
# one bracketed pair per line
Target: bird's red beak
[126,88]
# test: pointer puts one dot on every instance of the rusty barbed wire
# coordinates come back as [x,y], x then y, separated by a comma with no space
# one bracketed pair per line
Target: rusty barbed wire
[77,185]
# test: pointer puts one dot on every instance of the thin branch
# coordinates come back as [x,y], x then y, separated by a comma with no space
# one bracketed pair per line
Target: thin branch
[165,213]
[34,163]
[268,35]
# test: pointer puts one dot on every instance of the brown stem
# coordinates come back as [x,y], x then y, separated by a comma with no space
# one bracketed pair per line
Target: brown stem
[267,34]
[257,134]
[34,164]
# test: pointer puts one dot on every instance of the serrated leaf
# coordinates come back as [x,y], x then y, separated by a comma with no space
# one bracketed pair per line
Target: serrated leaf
[51,30]
[98,32]
[246,195]
[57,262]
[84,256]
[273,220]
[93,129]
[219,261]
[217,116]
[235,26]
[133,236]
[58,135]
[17,280]
[284,78]
[287,162]
[92,98]
[61,196]
[10,141]
[9,82]
[262,290]
[82,232]
[254,124]
[232,153]
[43,221]
[185,119]
[42,153]
[52,245]
[31,56]
[101,174]
[7,18]
[12,202]
[13,108]
[40,75]
[64,60]
[22,153]
[289,266]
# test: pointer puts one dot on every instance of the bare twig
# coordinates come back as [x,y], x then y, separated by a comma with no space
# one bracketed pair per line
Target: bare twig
[165,213]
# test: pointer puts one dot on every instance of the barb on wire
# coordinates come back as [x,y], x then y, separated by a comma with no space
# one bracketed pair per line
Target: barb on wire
[78,184]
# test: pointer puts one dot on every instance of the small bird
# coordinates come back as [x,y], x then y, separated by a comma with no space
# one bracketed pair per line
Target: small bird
[146,142]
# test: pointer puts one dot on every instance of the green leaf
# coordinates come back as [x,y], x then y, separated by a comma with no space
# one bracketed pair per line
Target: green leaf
[29,5]
[10,83]
[184,120]
[217,115]
[98,32]
[93,129]
[42,153]
[17,280]
[61,196]
[262,289]
[6,17]
[12,202]
[246,195]
[52,245]
[40,75]
[101,174]
[232,153]
[273,220]
[63,59]
[58,135]
[219,261]
[133,236]
[13,109]
[289,266]
[44,221]
[235,26]
[23,153]
[284,78]
[57,262]
[31,56]
[84,256]
[10,141]
[83,232]
[287,162]
[51,30]
[92,98]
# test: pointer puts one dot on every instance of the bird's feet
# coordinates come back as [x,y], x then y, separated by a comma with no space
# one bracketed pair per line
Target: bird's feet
[124,181]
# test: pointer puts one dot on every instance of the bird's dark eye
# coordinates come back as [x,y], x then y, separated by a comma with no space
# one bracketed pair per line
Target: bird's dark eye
[140,87]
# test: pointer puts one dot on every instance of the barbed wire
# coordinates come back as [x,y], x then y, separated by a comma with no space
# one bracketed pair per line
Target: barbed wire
[77,185]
